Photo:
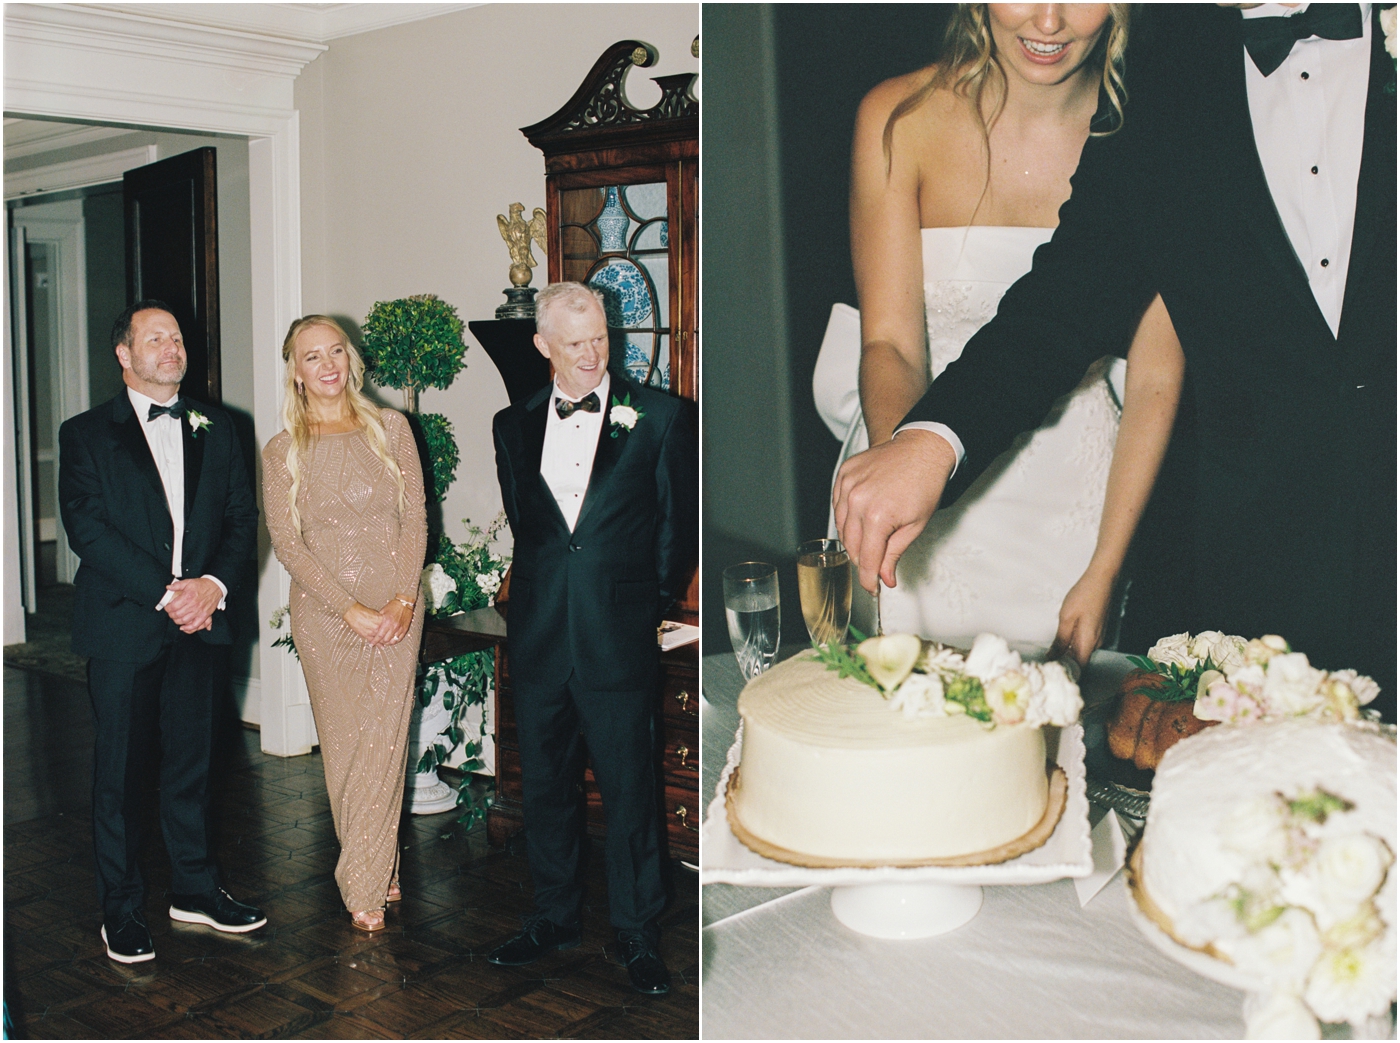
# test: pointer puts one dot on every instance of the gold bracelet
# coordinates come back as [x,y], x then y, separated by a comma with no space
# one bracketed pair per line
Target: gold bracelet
[405,603]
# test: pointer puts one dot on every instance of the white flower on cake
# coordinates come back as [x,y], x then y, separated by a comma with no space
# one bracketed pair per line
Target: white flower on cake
[1224,650]
[1346,871]
[1282,953]
[1055,698]
[1353,984]
[1362,686]
[1008,695]
[1173,650]
[1279,1015]
[1262,649]
[989,684]
[920,695]
[1291,684]
[436,585]
[990,657]
[1258,831]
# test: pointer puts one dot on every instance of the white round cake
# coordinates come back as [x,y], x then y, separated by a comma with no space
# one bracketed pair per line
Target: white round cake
[829,770]
[1271,845]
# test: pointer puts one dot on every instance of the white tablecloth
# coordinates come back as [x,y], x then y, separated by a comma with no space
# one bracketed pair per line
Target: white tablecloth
[1031,964]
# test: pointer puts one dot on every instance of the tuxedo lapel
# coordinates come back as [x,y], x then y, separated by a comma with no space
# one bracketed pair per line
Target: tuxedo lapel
[1375,187]
[130,436]
[194,461]
[609,452]
[1245,171]
[533,486]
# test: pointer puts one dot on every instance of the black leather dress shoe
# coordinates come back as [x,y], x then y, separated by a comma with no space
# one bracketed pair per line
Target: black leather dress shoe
[539,937]
[128,939]
[217,909]
[649,975]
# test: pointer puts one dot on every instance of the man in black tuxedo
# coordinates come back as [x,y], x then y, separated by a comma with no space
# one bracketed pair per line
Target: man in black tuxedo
[1253,187]
[157,504]
[599,481]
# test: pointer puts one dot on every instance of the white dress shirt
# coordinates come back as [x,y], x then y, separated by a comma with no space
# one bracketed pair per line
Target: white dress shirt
[167,443]
[569,447]
[1309,121]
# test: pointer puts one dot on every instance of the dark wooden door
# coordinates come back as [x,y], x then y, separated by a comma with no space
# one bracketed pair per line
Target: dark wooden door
[172,255]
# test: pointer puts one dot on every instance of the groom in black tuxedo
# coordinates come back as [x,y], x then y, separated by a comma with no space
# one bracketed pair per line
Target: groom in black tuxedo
[1252,186]
[599,481]
[157,505]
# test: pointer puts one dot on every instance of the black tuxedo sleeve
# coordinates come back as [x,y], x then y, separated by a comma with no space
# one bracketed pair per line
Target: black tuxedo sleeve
[678,506]
[238,540]
[125,566]
[1081,300]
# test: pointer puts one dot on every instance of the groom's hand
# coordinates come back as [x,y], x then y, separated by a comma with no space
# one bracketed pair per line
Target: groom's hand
[192,607]
[885,496]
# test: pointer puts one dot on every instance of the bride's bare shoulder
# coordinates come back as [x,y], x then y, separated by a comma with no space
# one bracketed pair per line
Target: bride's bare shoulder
[939,113]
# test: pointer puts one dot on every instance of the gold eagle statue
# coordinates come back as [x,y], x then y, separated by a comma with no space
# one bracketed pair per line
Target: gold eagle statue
[517,232]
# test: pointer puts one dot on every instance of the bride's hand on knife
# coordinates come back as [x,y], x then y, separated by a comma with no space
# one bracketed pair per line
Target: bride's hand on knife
[885,496]
[1083,616]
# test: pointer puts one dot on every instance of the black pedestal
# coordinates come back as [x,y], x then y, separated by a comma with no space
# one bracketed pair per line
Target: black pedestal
[511,345]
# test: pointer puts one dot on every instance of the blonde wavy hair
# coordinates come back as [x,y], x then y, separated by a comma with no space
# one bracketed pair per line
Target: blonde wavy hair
[968,65]
[296,424]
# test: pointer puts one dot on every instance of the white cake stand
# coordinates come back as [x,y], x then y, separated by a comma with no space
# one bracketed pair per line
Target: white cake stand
[919,902]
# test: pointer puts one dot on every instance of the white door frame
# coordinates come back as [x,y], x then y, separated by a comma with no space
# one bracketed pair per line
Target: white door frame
[91,65]
[60,227]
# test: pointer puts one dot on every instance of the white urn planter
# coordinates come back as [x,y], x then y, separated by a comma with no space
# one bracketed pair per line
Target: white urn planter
[425,793]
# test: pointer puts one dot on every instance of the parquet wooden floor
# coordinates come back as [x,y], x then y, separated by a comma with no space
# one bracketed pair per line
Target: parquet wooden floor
[308,974]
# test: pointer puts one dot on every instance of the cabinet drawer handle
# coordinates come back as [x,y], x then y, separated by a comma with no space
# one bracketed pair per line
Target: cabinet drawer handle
[682,752]
[683,815]
[683,697]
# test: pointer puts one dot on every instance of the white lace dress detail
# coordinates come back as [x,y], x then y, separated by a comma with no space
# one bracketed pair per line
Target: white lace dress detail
[1002,558]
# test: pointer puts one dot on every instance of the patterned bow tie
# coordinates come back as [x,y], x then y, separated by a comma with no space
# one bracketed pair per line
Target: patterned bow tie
[588,404]
[1268,40]
[176,409]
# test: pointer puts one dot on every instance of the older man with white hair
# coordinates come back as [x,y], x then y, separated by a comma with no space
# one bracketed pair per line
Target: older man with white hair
[599,477]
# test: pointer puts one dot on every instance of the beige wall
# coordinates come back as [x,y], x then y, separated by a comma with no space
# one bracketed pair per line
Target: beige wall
[410,147]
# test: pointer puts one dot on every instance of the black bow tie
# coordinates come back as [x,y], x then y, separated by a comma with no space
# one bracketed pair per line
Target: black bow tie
[1268,40]
[588,404]
[176,409]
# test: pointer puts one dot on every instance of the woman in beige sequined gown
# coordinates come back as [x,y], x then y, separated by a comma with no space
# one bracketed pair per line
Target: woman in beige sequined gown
[354,546]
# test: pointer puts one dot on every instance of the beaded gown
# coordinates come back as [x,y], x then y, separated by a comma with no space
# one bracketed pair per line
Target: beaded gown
[1002,558]
[354,545]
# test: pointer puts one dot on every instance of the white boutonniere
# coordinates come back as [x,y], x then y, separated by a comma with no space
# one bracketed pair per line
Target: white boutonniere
[198,422]
[1388,27]
[623,414]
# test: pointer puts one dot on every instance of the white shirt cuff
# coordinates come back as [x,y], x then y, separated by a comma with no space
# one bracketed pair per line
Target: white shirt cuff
[165,600]
[223,590]
[944,432]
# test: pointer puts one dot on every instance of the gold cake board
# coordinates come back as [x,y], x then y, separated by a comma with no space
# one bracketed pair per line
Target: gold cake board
[1038,835]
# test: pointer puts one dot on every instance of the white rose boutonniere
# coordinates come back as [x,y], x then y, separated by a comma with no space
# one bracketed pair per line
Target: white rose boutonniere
[1388,27]
[198,422]
[623,414]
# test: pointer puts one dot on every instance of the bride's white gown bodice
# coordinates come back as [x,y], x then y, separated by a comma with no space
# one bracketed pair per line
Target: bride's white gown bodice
[1001,558]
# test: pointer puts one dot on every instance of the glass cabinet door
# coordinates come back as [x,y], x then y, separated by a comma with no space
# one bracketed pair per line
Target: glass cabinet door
[616,238]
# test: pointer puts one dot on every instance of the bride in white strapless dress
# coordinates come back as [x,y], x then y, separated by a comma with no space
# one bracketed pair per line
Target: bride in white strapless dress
[958,173]
[1004,556]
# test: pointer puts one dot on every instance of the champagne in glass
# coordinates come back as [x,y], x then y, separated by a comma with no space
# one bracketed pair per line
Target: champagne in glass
[824,585]
[751,610]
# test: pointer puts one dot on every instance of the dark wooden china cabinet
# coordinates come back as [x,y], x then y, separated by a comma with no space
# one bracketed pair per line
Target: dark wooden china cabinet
[621,190]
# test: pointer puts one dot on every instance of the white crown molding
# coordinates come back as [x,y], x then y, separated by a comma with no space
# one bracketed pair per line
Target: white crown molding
[318,23]
[103,30]
[30,137]
[78,173]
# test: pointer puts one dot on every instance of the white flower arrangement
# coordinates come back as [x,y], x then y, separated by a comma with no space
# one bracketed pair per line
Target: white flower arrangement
[1274,681]
[1303,914]
[436,585]
[990,683]
[198,422]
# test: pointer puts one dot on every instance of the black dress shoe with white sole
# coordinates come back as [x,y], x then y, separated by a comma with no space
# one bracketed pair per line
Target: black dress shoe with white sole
[217,909]
[128,939]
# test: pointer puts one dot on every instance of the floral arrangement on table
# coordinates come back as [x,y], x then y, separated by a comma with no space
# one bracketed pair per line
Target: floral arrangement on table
[461,578]
[990,683]
[1231,679]
[1303,913]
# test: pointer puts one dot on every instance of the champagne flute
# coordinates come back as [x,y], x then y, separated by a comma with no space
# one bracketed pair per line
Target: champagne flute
[751,610]
[824,586]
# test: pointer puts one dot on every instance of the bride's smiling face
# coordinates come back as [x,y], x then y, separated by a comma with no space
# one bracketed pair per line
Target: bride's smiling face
[1045,43]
